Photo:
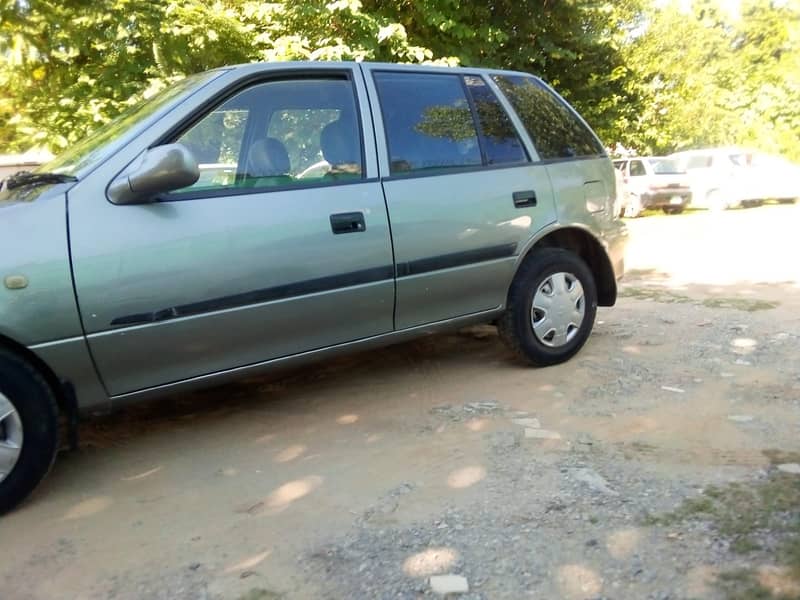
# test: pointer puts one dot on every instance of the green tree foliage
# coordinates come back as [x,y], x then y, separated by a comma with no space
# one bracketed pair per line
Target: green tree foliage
[707,77]
[648,74]
[574,45]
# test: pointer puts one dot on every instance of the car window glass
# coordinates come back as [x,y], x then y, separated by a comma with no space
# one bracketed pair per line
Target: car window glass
[699,161]
[277,134]
[664,166]
[499,138]
[428,122]
[637,168]
[556,130]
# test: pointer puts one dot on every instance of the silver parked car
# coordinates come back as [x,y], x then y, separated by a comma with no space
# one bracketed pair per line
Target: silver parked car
[263,216]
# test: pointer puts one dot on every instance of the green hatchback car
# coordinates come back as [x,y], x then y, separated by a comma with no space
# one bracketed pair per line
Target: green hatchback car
[266,215]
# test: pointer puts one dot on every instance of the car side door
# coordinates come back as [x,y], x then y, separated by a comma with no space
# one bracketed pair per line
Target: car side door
[260,258]
[461,187]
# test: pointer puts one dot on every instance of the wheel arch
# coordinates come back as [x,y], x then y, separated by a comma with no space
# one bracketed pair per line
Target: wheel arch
[66,403]
[580,241]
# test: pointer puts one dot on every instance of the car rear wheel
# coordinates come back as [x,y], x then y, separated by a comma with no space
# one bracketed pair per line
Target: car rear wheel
[672,210]
[551,307]
[28,429]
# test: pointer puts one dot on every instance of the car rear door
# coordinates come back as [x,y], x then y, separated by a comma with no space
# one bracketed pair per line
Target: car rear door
[461,187]
[263,257]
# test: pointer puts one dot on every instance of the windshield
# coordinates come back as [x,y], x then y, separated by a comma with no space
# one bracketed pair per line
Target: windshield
[110,136]
[665,166]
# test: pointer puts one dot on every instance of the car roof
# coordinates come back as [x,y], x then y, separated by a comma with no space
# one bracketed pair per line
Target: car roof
[279,65]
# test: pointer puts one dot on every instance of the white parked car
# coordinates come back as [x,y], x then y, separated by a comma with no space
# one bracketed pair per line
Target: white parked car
[732,177]
[653,182]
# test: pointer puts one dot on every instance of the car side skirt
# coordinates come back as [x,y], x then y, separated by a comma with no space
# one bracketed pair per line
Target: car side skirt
[303,358]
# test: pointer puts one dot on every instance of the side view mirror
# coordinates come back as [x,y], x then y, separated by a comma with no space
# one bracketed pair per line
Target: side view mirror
[157,170]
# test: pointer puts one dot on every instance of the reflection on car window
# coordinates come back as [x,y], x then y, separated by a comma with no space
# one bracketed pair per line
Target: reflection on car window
[277,134]
[114,134]
[428,122]
[556,130]
[498,136]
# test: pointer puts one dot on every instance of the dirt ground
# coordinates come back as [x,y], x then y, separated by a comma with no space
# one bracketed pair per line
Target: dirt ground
[362,477]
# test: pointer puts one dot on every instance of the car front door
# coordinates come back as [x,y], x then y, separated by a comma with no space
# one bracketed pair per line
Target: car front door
[462,191]
[281,247]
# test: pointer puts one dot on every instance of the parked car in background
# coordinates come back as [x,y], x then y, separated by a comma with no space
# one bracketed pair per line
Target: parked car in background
[731,177]
[773,177]
[447,197]
[653,182]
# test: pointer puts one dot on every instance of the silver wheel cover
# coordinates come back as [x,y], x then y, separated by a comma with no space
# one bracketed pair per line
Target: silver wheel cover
[558,309]
[10,437]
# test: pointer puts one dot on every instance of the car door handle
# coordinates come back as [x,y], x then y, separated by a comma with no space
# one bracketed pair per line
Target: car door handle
[524,198]
[351,222]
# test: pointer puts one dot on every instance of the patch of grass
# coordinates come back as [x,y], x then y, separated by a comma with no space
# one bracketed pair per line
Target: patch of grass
[654,293]
[743,584]
[745,304]
[744,513]
[664,296]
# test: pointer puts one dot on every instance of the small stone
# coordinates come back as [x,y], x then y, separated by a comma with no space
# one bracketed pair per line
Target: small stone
[743,362]
[726,375]
[529,422]
[246,574]
[542,434]
[449,584]
[591,543]
[194,566]
[740,418]
[792,468]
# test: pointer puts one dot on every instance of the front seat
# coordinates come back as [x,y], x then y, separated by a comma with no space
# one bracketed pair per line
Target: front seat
[267,164]
[341,148]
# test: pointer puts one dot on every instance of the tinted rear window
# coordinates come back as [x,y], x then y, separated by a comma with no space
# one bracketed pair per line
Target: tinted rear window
[555,129]
[428,122]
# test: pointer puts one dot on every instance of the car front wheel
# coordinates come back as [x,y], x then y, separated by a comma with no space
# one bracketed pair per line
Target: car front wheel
[28,429]
[551,307]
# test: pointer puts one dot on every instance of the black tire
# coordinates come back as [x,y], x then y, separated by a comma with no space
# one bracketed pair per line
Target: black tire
[35,403]
[515,326]
[672,210]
